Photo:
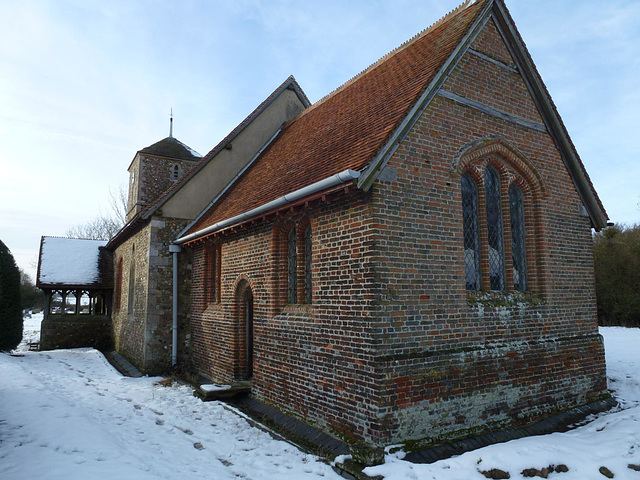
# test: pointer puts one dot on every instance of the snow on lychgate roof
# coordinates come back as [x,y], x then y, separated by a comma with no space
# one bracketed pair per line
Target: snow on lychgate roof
[69,261]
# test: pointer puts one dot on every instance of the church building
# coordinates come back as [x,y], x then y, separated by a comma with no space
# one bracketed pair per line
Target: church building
[407,259]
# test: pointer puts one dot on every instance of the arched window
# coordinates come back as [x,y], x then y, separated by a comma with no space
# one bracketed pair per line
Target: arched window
[484,235]
[118,286]
[470,227]
[494,228]
[132,282]
[307,266]
[516,210]
[292,276]
[176,172]
[213,273]
[85,303]
[70,302]
[55,304]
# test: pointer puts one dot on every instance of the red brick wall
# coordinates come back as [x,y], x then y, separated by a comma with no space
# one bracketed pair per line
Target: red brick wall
[314,360]
[393,347]
[458,363]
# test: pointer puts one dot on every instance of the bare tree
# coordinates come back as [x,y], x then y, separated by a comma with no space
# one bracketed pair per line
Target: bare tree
[104,226]
[118,202]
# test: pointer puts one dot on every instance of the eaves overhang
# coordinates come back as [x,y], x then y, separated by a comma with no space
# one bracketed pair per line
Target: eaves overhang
[347,176]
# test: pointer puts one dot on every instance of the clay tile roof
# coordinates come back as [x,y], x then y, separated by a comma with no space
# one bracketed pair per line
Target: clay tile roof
[346,129]
[172,147]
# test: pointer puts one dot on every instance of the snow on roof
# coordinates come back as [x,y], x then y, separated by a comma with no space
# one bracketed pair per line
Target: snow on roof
[69,261]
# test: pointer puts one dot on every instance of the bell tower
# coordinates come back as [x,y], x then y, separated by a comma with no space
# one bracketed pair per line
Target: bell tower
[155,168]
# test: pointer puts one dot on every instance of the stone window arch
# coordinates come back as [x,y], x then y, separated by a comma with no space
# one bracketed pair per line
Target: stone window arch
[175,172]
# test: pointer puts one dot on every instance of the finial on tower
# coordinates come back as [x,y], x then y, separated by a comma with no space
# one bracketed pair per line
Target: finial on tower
[171,124]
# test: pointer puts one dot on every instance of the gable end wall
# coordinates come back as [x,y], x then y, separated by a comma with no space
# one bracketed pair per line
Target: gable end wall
[454,365]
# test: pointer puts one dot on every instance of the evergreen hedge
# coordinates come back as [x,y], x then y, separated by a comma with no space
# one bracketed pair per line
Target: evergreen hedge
[10,311]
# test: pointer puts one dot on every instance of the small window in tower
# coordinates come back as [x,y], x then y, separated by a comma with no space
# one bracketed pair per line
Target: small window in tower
[176,172]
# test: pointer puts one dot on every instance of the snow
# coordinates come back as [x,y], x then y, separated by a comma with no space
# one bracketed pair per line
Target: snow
[67,414]
[214,387]
[69,261]
[30,330]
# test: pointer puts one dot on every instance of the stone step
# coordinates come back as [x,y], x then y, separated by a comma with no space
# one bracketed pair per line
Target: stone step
[213,391]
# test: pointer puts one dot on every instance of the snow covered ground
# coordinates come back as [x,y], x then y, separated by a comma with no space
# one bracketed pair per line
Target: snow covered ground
[69,415]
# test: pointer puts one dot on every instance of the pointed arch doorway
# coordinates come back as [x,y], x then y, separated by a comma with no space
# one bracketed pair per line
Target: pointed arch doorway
[244,349]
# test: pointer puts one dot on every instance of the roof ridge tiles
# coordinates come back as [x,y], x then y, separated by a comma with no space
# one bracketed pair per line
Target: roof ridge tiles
[390,54]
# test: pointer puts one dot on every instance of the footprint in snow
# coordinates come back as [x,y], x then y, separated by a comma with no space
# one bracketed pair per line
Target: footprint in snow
[159,421]
[184,430]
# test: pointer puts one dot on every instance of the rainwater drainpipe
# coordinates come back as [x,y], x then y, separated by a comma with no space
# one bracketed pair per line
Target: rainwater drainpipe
[175,249]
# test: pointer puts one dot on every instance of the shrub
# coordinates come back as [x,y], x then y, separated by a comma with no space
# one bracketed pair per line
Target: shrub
[10,311]
[617,265]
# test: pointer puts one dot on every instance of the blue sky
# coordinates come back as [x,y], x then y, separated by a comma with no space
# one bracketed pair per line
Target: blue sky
[85,84]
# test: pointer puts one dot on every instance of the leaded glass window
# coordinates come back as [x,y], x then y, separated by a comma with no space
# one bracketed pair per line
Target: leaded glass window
[307,266]
[470,229]
[212,273]
[494,228]
[292,256]
[516,209]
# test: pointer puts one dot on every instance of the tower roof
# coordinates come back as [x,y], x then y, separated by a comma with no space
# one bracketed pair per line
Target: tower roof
[172,147]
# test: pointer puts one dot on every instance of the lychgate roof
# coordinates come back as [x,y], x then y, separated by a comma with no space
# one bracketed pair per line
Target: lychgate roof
[69,262]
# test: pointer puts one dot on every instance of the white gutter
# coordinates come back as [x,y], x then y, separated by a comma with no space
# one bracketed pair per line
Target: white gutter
[337,179]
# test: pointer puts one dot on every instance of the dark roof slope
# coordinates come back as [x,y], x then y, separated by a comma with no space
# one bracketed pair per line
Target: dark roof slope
[172,147]
[345,129]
